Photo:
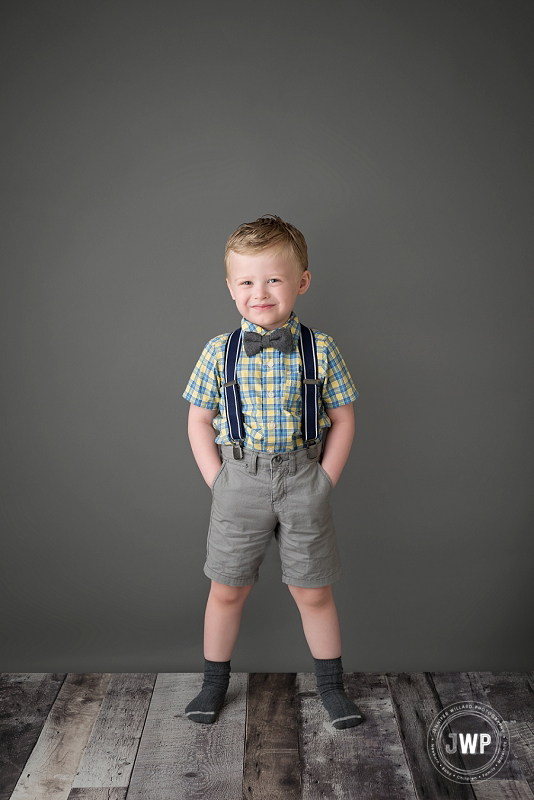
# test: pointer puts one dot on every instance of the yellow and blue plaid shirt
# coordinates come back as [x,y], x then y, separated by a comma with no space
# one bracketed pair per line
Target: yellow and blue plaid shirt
[270,384]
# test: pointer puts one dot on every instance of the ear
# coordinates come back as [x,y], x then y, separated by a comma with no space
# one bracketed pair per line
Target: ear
[305,279]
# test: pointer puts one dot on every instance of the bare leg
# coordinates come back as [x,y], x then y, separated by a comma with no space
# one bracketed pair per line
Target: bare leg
[319,620]
[222,619]
[221,626]
[321,628]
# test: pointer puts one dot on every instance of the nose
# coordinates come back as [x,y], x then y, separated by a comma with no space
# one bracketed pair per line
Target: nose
[261,292]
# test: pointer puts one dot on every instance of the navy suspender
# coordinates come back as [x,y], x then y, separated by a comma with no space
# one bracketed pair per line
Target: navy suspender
[232,396]
[310,391]
[310,387]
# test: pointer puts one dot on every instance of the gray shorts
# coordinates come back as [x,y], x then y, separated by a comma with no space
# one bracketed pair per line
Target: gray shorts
[285,495]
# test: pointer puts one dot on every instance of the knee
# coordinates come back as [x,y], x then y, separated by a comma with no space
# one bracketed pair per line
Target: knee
[229,595]
[311,598]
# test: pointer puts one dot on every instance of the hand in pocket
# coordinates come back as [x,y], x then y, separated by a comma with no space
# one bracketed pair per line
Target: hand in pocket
[215,476]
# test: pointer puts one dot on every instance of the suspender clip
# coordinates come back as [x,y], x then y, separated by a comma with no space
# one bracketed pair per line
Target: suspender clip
[311,447]
[238,449]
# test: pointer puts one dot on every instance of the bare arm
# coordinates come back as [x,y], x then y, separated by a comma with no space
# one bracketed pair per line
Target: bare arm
[202,439]
[338,440]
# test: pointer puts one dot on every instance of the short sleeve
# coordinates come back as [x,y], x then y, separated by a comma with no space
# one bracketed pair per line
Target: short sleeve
[203,388]
[338,387]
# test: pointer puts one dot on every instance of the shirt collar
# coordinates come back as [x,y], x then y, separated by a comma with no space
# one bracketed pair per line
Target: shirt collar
[292,323]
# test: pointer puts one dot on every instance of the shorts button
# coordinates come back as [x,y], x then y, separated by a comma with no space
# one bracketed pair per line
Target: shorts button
[277,459]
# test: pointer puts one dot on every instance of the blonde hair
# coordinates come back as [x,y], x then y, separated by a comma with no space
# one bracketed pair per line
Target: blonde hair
[266,232]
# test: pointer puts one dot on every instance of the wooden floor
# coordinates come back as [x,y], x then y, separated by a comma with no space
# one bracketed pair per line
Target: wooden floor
[125,737]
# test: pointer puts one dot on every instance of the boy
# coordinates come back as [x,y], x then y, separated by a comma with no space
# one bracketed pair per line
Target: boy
[252,445]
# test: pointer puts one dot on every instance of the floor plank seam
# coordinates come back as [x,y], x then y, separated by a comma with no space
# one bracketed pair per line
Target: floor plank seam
[140,738]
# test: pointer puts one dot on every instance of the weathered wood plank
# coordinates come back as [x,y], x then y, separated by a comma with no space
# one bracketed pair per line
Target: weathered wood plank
[98,794]
[271,768]
[52,765]
[416,703]
[502,790]
[183,760]
[453,687]
[110,753]
[366,761]
[25,700]
[512,695]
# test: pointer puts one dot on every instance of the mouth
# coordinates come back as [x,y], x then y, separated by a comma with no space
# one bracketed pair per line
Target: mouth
[262,308]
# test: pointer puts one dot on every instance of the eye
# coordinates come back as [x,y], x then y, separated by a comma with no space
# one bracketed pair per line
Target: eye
[244,283]
[272,279]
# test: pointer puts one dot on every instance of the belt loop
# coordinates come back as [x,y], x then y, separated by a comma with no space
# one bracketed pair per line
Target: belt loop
[292,463]
[252,464]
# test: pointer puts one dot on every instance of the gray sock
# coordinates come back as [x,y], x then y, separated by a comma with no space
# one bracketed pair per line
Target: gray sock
[206,705]
[342,711]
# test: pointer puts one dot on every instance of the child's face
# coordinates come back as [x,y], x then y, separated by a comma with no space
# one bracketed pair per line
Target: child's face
[265,285]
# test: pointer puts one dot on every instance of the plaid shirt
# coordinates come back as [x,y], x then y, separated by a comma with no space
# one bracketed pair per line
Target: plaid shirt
[270,384]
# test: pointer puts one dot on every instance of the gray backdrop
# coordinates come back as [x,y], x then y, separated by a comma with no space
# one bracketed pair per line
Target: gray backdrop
[136,136]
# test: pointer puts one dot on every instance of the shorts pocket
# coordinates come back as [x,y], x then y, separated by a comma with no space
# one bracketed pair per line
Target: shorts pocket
[325,473]
[216,478]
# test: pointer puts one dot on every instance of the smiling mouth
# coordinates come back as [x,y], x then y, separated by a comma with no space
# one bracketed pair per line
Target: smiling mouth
[261,308]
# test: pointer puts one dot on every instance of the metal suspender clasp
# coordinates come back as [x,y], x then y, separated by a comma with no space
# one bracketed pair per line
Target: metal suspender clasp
[311,447]
[238,449]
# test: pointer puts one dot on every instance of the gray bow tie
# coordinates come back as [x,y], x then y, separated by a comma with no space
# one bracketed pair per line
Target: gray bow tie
[281,338]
